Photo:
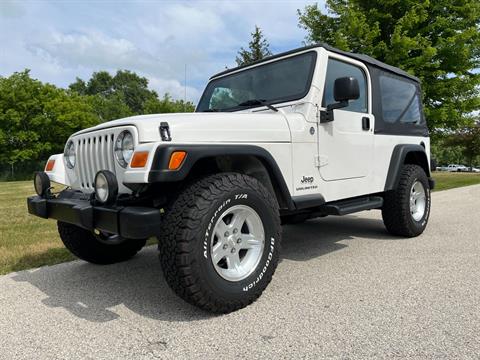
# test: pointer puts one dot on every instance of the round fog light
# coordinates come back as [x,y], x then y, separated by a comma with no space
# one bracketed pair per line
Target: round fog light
[106,187]
[41,182]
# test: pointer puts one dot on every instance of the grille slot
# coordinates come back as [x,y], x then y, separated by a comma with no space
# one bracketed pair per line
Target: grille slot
[94,153]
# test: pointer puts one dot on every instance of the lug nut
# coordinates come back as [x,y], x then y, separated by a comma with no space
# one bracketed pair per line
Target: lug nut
[227,234]
[225,247]
[239,241]
[235,231]
[233,250]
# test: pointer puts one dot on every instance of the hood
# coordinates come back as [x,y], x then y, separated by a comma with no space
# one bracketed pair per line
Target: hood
[207,127]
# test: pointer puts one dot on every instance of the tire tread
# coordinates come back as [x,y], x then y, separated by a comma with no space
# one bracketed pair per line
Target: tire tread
[82,244]
[395,210]
[179,232]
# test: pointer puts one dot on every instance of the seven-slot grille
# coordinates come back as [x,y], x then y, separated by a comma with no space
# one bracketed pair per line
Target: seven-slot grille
[94,153]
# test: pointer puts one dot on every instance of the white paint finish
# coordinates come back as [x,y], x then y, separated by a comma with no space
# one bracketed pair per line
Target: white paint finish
[345,146]
[375,181]
[304,164]
[57,174]
[207,127]
[281,152]
[351,161]
[384,145]
[140,175]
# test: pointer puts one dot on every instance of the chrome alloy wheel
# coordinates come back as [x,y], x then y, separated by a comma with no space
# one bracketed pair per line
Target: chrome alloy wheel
[237,243]
[418,200]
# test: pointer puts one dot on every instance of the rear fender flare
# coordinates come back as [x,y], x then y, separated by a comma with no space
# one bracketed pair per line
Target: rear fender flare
[405,154]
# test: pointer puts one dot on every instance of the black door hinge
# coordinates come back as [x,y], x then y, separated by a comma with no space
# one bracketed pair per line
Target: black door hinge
[326,116]
[365,123]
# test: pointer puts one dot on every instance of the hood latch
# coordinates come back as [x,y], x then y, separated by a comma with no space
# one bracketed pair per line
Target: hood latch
[165,131]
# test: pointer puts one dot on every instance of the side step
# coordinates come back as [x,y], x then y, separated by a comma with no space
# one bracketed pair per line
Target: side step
[344,207]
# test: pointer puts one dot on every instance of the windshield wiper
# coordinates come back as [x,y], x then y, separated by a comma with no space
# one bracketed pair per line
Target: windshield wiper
[253,102]
[211,110]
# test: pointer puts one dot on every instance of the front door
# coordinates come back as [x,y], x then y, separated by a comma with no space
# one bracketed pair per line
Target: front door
[346,143]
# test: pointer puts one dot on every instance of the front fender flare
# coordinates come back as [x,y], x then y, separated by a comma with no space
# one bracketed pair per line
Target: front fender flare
[160,173]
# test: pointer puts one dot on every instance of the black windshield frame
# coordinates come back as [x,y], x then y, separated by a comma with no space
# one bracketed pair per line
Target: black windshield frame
[207,94]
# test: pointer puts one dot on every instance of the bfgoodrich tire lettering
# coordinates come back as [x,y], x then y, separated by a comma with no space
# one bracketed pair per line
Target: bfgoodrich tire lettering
[396,210]
[186,238]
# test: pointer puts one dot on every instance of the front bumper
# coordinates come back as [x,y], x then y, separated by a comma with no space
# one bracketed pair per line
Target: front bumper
[131,222]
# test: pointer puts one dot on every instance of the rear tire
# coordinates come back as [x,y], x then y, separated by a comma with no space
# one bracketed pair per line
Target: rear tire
[406,209]
[203,262]
[84,245]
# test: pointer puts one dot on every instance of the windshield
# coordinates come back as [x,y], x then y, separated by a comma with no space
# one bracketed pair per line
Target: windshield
[280,81]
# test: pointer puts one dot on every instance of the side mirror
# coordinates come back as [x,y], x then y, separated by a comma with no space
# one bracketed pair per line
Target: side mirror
[344,89]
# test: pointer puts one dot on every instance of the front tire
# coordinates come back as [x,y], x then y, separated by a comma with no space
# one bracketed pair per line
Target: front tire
[220,241]
[86,246]
[406,209]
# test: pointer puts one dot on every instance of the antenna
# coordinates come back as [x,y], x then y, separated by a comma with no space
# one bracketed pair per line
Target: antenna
[185,91]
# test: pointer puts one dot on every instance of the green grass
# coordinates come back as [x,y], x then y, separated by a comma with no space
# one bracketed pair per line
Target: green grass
[446,180]
[27,241]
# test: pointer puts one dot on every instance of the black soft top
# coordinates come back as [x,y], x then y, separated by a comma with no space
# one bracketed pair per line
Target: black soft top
[363,58]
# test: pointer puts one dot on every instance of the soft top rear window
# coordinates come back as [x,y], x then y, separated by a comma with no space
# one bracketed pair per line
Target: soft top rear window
[397,104]
[400,101]
[279,81]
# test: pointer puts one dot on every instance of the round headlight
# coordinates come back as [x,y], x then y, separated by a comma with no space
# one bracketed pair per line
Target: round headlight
[41,182]
[106,187]
[124,147]
[69,154]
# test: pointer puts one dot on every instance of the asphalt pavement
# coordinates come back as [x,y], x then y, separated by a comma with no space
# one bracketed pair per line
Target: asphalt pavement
[344,289]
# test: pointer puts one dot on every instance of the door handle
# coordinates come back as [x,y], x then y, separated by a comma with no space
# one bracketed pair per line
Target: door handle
[365,123]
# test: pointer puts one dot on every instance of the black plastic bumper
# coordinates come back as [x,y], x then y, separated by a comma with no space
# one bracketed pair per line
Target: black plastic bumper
[129,222]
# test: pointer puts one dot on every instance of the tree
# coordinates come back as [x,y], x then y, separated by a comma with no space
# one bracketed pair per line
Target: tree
[258,48]
[167,105]
[36,119]
[437,41]
[121,95]
[468,139]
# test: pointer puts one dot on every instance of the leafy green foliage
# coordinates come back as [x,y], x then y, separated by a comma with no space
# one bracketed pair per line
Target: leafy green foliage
[125,94]
[258,48]
[36,119]
[167,105]
[126,88]
[437,41]
[468,140]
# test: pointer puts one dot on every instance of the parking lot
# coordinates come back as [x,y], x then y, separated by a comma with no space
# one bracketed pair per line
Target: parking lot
[344,289]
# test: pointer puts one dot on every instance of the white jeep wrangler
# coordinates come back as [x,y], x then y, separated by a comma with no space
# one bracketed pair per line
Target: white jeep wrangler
[308,133]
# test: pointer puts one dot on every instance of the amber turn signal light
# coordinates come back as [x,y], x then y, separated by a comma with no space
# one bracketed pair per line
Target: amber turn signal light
[139,159]
[176,160]
[50,165]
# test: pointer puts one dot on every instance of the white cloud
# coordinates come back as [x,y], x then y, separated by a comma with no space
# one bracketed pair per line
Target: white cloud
[92,49]
[155,39]
[174,88]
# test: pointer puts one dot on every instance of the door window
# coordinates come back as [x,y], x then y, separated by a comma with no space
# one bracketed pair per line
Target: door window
[337,69]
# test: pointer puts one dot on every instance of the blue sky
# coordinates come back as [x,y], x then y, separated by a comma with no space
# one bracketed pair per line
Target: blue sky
[60,40]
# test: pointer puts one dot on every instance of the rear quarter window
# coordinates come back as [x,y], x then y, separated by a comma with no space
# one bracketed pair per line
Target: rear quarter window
[400,101]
